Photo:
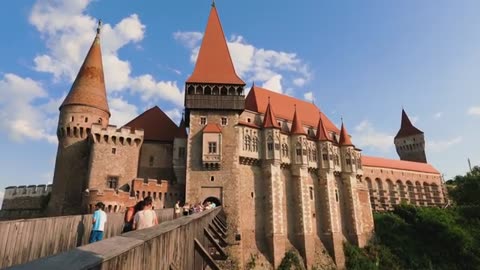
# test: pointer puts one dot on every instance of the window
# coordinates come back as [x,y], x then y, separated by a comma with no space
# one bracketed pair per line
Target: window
[249,120]
[270,146]
[114,151]
[181,152]
[247,143]
[100,120]
[347,161]
[203,120]
[112,182]
[212,147]
[212,178]
[150,161]
[86,119]
[285,150]
[72,119]
[325,157]
[337,160]
[311,193]
[224,121]
[255,144]
[314,154]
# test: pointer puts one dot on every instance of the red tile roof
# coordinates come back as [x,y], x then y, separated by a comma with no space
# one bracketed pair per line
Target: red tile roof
[407,128]
[257,101]
[214,64]
[322,134]
[269,120]
[212,128]
[297,127]
[398,164]
[344,138]
[156,125]
[89,87]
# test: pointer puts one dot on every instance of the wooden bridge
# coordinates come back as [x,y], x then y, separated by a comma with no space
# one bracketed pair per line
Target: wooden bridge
[189,242]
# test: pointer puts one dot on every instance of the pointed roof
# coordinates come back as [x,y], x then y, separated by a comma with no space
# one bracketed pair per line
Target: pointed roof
[297,128]
[322,134]
[344,138]
[269,120]
[212,128]
[156,124]
[214,64]
[407,128]
[257,101]
[182,130]
[89,87]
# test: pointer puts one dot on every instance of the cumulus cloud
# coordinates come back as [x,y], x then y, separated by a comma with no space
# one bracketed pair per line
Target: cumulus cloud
[122,111]
[475,111]
[18,114]
[268,67]
[441,145]
[366,136]
[175,114]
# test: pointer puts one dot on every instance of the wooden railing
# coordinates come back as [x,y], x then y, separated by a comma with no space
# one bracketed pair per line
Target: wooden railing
[189,242]
[25,240]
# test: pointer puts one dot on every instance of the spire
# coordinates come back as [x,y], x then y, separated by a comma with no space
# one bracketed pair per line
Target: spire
[269,120]
[297,127]
[88,89]
[344,138]
[214,64]
[182,129]
[407,128]
[322,134]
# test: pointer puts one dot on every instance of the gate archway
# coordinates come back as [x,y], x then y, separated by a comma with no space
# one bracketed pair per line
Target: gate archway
[214,200]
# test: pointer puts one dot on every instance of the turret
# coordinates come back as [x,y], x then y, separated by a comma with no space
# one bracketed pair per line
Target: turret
[85,104]
[410,141]
[328,152]
[271,133]
[299,141]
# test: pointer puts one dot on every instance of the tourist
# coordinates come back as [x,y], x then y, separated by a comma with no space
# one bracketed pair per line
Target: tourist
[186,209]
[129,214]
[177,210]
[99,220]
[146,217]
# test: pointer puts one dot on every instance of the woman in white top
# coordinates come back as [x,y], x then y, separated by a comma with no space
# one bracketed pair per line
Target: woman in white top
[145,218]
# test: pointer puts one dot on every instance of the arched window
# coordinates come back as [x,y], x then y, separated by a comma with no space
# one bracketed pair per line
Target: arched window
[314,154]
[411,192]
[208,90]
[270,143]
[191,90]
[255,144]
[298,152]
[391,192]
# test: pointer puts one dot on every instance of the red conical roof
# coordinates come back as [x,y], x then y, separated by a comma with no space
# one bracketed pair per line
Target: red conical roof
[344,138]
[182,130]
[89,87]
[269,120]
[322,134]
[214,64]
[407,128]
[297,128]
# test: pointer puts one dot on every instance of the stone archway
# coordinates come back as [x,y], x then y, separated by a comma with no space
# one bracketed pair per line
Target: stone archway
[215,200]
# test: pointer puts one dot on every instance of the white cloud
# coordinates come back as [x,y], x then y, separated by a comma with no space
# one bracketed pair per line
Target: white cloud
[366,136]
[441,145]
[122,111]
[150,89]
[175,114]
[308,96]
[267,67]
[474,111]
[19,117]
[414,119]
[438,115]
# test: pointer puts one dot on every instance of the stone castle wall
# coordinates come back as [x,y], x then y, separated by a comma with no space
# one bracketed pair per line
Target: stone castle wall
[33,197]
[156,161]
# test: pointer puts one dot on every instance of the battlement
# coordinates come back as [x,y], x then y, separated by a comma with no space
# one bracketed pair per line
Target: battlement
[114,200]
[13,192]
[114,135]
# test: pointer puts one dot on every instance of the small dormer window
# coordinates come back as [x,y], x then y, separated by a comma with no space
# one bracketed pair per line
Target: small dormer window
[203,120]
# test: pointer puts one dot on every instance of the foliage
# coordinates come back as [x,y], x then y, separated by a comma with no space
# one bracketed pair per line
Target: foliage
[291,261]
[421,238]
[252,263]
[465,190]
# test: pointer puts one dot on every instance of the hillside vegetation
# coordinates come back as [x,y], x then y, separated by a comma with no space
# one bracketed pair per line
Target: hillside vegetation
[427,238]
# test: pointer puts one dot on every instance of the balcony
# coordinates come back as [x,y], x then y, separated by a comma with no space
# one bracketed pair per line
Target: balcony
[215,102]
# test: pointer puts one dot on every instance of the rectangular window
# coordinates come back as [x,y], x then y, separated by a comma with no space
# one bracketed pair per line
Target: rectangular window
[150,161]
[114,151]
[181,152]
[212,147]
[270,146]
[224,121]
[347,161]
[325,157]
[203,120]
[311,193]
[112,182]
[299,152]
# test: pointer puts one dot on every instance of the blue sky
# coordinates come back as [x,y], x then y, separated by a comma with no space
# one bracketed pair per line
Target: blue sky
[360,60]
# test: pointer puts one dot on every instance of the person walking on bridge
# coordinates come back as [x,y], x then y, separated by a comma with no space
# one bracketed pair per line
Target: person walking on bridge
[146,217]
[99,220]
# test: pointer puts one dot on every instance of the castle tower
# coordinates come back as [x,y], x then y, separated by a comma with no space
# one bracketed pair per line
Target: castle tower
[410,141]
[330,218]
[85,104]
[214,99]
[356,210]
[304,241]
[180,152]
[275,186]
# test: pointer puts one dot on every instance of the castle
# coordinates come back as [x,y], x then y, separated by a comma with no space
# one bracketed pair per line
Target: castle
[285,175]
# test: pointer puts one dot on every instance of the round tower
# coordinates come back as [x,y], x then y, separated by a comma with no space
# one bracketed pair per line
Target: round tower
[410,141]
[85,104]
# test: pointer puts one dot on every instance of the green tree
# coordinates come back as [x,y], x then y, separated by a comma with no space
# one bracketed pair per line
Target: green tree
[466,190]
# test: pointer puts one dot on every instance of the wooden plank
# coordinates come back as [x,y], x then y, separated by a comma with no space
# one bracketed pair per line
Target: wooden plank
[206,257]
[220,250]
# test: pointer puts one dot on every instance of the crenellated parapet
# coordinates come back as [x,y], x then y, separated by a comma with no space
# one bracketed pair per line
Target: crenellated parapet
[114,200]
[26,197]
[117,136]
